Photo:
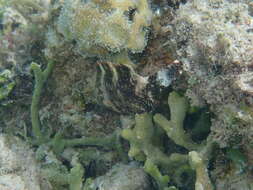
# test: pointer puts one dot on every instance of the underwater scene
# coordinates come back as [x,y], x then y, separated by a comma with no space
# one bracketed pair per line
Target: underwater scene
[126,95]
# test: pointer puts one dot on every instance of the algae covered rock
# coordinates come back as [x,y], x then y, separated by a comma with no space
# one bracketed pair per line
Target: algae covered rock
[213,40]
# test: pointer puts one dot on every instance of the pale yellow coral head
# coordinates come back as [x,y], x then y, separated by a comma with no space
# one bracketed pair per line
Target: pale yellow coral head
[111,25]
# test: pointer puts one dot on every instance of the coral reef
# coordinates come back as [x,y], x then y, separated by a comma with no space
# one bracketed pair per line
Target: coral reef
[83,83]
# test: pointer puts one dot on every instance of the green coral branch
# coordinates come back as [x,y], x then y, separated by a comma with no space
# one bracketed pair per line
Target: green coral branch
[108,141]
[145,142]
[40,79]
[74,178]
[202,178]
[145,145]
[153,170]
[112,141]
[58,143]
[174,127]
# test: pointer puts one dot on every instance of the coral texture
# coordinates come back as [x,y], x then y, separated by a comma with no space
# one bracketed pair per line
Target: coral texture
[145,145]
[145,138]
[213,41]
[172,77]
[101,26]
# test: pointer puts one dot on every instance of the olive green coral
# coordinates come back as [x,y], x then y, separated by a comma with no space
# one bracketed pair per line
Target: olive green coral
[57,142]
[59,175]
[101,26]
[75,177]
[146,145]
[40,79]
[174,128]
[202,180]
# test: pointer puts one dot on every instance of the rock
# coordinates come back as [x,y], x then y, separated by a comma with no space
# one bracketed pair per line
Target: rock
[123,177]
[18,168]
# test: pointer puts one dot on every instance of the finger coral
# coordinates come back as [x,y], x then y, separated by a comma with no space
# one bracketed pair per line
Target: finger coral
[174,127]
[145,145]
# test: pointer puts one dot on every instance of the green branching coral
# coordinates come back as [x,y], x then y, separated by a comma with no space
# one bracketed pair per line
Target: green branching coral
[198,164]
[174,128]
[175,131]
[58,143]
[40,79]
[153,170]
[101,26]
[145,145]
[59,175]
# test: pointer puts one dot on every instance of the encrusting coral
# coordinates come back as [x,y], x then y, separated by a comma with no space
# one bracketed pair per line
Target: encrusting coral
[102,26]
